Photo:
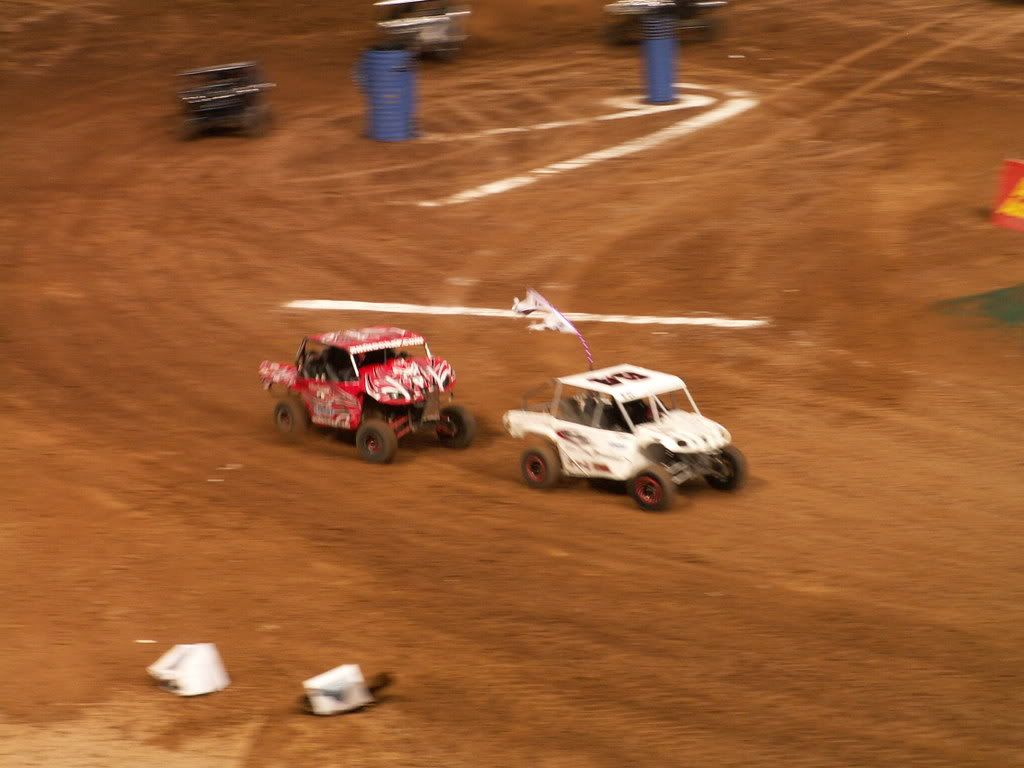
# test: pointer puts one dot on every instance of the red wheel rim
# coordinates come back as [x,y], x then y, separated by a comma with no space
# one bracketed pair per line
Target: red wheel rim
[648,490]
[535,469]
[372,444]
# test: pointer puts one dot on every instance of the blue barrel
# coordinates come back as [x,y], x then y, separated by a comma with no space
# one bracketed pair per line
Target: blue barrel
[660,57]
[387,76]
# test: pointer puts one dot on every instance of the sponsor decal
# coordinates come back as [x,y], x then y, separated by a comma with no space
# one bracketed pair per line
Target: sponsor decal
[571,436]
[332,407]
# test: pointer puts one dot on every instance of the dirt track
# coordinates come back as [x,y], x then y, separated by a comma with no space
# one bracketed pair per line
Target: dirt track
[858,605]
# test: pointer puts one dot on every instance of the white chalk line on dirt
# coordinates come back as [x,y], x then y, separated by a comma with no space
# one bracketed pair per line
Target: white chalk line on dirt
[628,106]
[583,317]
[734,106]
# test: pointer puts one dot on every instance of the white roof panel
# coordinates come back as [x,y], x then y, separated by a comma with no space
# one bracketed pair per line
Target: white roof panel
[625,382]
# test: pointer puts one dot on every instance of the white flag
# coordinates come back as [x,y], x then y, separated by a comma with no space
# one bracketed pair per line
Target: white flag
[549,319]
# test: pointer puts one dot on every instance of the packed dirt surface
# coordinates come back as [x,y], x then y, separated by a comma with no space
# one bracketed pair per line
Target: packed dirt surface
[858,604]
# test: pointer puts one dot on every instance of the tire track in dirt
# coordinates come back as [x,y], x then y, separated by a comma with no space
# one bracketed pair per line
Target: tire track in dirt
[812,621]
[739,151]
[737,157]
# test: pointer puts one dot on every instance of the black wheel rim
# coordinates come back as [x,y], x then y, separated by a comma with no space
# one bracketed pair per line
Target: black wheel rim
[284,420]
[726,468]
[535,469]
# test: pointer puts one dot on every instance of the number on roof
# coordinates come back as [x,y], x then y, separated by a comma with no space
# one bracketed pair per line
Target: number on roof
[617,378]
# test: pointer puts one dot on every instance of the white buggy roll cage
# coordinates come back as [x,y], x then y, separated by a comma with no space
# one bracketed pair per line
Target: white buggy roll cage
[420,17]
[657,406]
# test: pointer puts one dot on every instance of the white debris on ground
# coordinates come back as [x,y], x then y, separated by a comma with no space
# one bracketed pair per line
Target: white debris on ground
[193,669]
[339,690]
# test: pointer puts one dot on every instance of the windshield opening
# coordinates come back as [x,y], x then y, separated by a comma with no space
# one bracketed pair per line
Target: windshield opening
[641,411]
[325,363]
[677,400]
[382,356]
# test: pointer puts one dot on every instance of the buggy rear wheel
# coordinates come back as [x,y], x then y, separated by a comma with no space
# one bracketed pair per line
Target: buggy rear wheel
[291,419]
[457,427]
[653,489]
[376,441]
[540,466]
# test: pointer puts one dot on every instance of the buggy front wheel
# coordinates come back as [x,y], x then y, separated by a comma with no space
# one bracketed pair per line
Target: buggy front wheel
[444,54]
[730,471]
[709,30]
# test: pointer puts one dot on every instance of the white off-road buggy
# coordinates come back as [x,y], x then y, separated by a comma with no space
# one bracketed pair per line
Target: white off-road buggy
[691,17]
[624,423]
[434,28]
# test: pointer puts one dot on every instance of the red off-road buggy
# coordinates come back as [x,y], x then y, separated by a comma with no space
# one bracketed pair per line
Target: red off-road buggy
[381,383]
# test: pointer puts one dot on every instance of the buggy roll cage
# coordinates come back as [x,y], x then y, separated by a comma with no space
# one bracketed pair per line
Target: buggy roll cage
[300,355]
[237,66]
[413,22]
[219,68]
[640,7]
[550,406]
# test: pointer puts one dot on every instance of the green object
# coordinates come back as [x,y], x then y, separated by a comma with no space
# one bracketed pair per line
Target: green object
[1005,305]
